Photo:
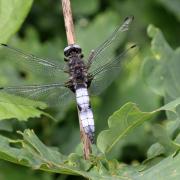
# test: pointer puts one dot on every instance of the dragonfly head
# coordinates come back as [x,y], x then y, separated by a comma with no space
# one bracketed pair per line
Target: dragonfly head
[73,48]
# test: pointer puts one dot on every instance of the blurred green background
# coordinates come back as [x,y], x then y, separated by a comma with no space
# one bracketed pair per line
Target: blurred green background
[42,33]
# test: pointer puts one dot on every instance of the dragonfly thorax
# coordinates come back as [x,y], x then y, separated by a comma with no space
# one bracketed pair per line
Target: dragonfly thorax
[77,70]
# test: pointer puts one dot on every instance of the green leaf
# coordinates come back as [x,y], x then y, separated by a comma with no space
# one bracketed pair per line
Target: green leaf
[31,152]
[120,123]
[155,150]
[172,6]
[161,70]
[154,69]
[166,61]
[124,120]
[20,108]
[163,138]
[165,145]
[167,169]
[160,48]
[12,15]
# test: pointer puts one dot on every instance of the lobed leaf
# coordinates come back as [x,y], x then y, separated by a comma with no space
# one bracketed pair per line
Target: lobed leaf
[161,71]
[20,108]
[167,169]
[124,120]
[31,152]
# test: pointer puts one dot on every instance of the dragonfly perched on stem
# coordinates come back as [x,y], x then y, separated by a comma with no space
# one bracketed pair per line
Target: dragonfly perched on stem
[81,77]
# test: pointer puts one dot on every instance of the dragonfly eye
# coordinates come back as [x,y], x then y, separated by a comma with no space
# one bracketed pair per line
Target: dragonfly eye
[72,48]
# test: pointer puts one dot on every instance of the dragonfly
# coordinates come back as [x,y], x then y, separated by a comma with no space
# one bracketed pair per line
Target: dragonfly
[83,77]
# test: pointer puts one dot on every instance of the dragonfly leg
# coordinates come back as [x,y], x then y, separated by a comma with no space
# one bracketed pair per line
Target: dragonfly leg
[66,59]
[66,71]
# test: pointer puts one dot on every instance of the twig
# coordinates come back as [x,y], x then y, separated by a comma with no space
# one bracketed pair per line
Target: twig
[68,20]
[67,13]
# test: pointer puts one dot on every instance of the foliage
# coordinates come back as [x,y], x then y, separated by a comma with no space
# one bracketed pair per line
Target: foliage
[12,15]
[138,140]
[17,107]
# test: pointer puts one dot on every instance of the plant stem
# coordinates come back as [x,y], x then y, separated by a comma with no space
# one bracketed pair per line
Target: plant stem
[68,20]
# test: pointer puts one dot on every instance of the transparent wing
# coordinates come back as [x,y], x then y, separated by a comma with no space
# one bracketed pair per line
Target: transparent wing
[31,64]
[52,94]
[104,53]
[105,75]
